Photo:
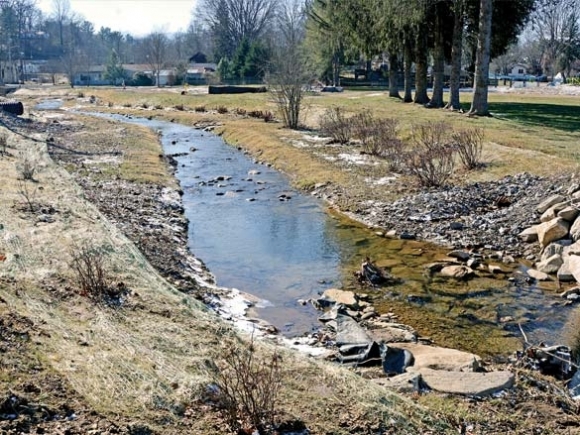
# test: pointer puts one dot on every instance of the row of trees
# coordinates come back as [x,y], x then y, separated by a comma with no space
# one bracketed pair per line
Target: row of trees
[413,34]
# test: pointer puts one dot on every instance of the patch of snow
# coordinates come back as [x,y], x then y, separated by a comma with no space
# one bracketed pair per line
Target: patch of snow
[380,181]
[357,159]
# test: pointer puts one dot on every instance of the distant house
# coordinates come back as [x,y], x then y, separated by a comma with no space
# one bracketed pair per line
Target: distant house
[91,76]
[518,70]
[197,73]
[95,75]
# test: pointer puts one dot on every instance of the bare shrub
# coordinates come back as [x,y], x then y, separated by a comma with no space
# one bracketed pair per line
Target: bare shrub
[267,116]
[145,105]
[432,159]
[179,107]
[222,110]
[3,144]
[256,114]
[200,109]
[379,137]
[246,386]
[28,194]
[336,125]
[241,112]
[89,265]
[469,145]
[27,166]
[158,107]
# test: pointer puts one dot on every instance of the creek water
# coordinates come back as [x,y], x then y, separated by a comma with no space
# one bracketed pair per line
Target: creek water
[257,234]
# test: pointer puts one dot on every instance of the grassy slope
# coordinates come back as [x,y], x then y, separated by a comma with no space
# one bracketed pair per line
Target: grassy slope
[146,362]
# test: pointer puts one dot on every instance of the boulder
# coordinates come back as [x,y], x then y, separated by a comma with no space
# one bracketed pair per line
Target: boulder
[467,383]
[565,272]
[460,255]
[552,212]
[403,383]
[495,269]
[529,235]
[346,298]
[571,249]
[569,213]
[549,232]
[558,247]
[575,187]
[441,358]
[396,360]
[549,202]
[457,272]
[575,230]
[394,333]
[537,275]
[574,266]
[348,332]
[551,264]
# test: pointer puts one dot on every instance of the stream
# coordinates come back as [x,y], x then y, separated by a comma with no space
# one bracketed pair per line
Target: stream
[259,235]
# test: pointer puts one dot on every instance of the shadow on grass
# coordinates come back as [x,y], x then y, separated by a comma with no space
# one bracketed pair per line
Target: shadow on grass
[557,116]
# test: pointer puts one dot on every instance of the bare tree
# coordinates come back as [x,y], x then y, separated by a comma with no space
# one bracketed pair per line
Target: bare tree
[291,71]
[557,26]
[155,45]
[232,21]
[61,13]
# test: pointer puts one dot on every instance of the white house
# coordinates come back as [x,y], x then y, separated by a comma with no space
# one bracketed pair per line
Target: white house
[518,70]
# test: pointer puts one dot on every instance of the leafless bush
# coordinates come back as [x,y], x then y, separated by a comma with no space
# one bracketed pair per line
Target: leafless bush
[469,145]
[28,194]
[267,116]
[27,166]
[241,112]
[222,110]
[3,144]
[431,161]
[336,125]
[89,265]
[179,107]
[246,387]
[158,107]
[145,105]
[200,109]
[379,137]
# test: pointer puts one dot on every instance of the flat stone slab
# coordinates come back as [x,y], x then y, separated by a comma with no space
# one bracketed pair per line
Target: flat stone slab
[467,383]
[348,331]
[404,383]
[440,358]
[394,333]
[344,297]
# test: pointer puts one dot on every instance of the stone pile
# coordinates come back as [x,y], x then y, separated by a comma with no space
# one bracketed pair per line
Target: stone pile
[487,215]
[557,232]
[408,364]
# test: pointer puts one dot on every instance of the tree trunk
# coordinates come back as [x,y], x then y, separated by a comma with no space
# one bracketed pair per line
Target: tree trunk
[336,69]
[479,104]
[456,53]
[421,69]
[393,73]
[408,64]
[438,62]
